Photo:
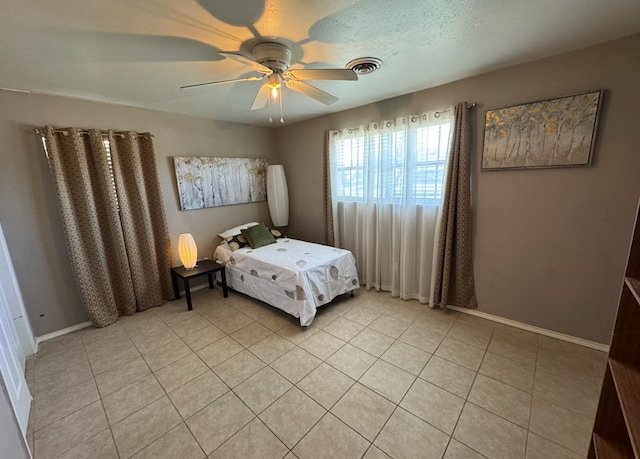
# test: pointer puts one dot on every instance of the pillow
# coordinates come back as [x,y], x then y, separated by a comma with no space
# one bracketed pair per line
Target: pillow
[236,242]
[235,231]
[277,234]
[258,236]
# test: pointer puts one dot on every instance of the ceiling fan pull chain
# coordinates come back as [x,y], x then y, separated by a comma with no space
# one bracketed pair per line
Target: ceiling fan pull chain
[281,115]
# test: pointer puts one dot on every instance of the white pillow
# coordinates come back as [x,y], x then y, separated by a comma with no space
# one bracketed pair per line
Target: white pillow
[235,231]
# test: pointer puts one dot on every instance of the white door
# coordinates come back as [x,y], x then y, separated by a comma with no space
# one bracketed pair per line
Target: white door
[12,365]
[16,338]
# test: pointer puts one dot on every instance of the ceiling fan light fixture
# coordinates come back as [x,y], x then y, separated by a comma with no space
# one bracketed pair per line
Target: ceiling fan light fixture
[273,83]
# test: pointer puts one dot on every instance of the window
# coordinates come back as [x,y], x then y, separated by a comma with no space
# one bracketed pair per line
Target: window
[391,166]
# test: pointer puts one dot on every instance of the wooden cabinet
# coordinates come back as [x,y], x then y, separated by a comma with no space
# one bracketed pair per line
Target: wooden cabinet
[616,433]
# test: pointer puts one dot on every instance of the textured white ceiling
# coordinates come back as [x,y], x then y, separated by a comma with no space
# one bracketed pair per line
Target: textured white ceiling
[139,52]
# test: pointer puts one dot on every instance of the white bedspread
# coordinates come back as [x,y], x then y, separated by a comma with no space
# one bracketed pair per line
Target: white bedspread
[292,275]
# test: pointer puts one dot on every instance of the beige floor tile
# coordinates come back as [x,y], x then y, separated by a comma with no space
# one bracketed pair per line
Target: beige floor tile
[422,339]
[253,441]
[254,309]
[524,335]
[457,450]
[271,347]
[292,416]
[404,313]
[345,441]
[575,396]
[45,365]
[60,345]
[177,443]
[561,426]
[91,335]
[405,435]
[389,326]
[409,358]
[233,322]
[275,321]
[71,431]
[362,315]
[219,351]
[326,385]
[148,340]
[167,354]
[489,434]
[60,380]
[145,426]
[470,335]
[100,446]
[434,405]
[295,333]
[193,323]
[463,354]
[53,405]
[438,321]
[112,358]
[203,337]
[217,311]
[568,362]
[251,334]
[389,381]
[373,342]
[375,453]
[131,398]
[121,376]
[238,368]
[219,421]
[173,376]
[363,410]
[322,344]
[343,328]
[509,371]
[449,376]
[477,322]
[501,399]
[541,448]
[522,349]
[262,389]
[351,361]
[295,364]
[191,397]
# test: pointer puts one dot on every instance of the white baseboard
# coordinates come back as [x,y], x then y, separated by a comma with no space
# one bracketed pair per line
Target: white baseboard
[64,331]
[534,329]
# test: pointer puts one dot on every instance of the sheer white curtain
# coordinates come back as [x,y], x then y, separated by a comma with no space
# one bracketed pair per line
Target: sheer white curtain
[386,187]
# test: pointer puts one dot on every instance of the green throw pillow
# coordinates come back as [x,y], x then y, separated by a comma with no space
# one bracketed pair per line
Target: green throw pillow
[258,236]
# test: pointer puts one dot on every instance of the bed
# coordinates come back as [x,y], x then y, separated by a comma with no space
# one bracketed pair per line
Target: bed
[292,275]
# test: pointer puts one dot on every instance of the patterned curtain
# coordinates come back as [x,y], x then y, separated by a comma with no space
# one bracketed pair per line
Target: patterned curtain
[454,284]
[110,239]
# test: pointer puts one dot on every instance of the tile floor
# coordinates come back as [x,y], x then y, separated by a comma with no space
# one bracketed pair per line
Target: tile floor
[373,377]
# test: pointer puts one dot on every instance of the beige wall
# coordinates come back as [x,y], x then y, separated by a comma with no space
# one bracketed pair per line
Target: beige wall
[28,210]
[550,245]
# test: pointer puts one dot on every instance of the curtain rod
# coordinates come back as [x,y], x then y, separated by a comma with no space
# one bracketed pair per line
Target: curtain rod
[62,131]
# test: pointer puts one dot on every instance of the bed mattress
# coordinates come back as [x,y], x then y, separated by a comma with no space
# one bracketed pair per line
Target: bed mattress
[292,275]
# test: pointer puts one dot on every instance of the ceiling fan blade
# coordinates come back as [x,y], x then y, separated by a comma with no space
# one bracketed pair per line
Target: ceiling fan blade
[239,57]
[261,98]
[322,74]
[311,91]
[235,80]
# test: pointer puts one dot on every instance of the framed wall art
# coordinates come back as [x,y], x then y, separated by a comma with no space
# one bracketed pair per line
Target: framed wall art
[550,133]
[204,181]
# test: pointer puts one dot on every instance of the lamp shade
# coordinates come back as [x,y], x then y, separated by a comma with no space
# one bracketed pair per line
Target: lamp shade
[278,195]
[187,250]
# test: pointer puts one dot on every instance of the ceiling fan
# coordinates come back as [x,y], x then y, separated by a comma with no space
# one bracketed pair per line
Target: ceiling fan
[272,60]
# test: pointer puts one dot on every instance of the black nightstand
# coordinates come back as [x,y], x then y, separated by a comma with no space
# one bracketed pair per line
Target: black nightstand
[203,267]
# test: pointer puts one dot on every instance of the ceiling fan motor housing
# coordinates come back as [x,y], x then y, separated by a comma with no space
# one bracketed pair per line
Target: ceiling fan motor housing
[275,56]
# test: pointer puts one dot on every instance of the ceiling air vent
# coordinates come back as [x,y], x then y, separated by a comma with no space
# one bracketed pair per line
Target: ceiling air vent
[365,65]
